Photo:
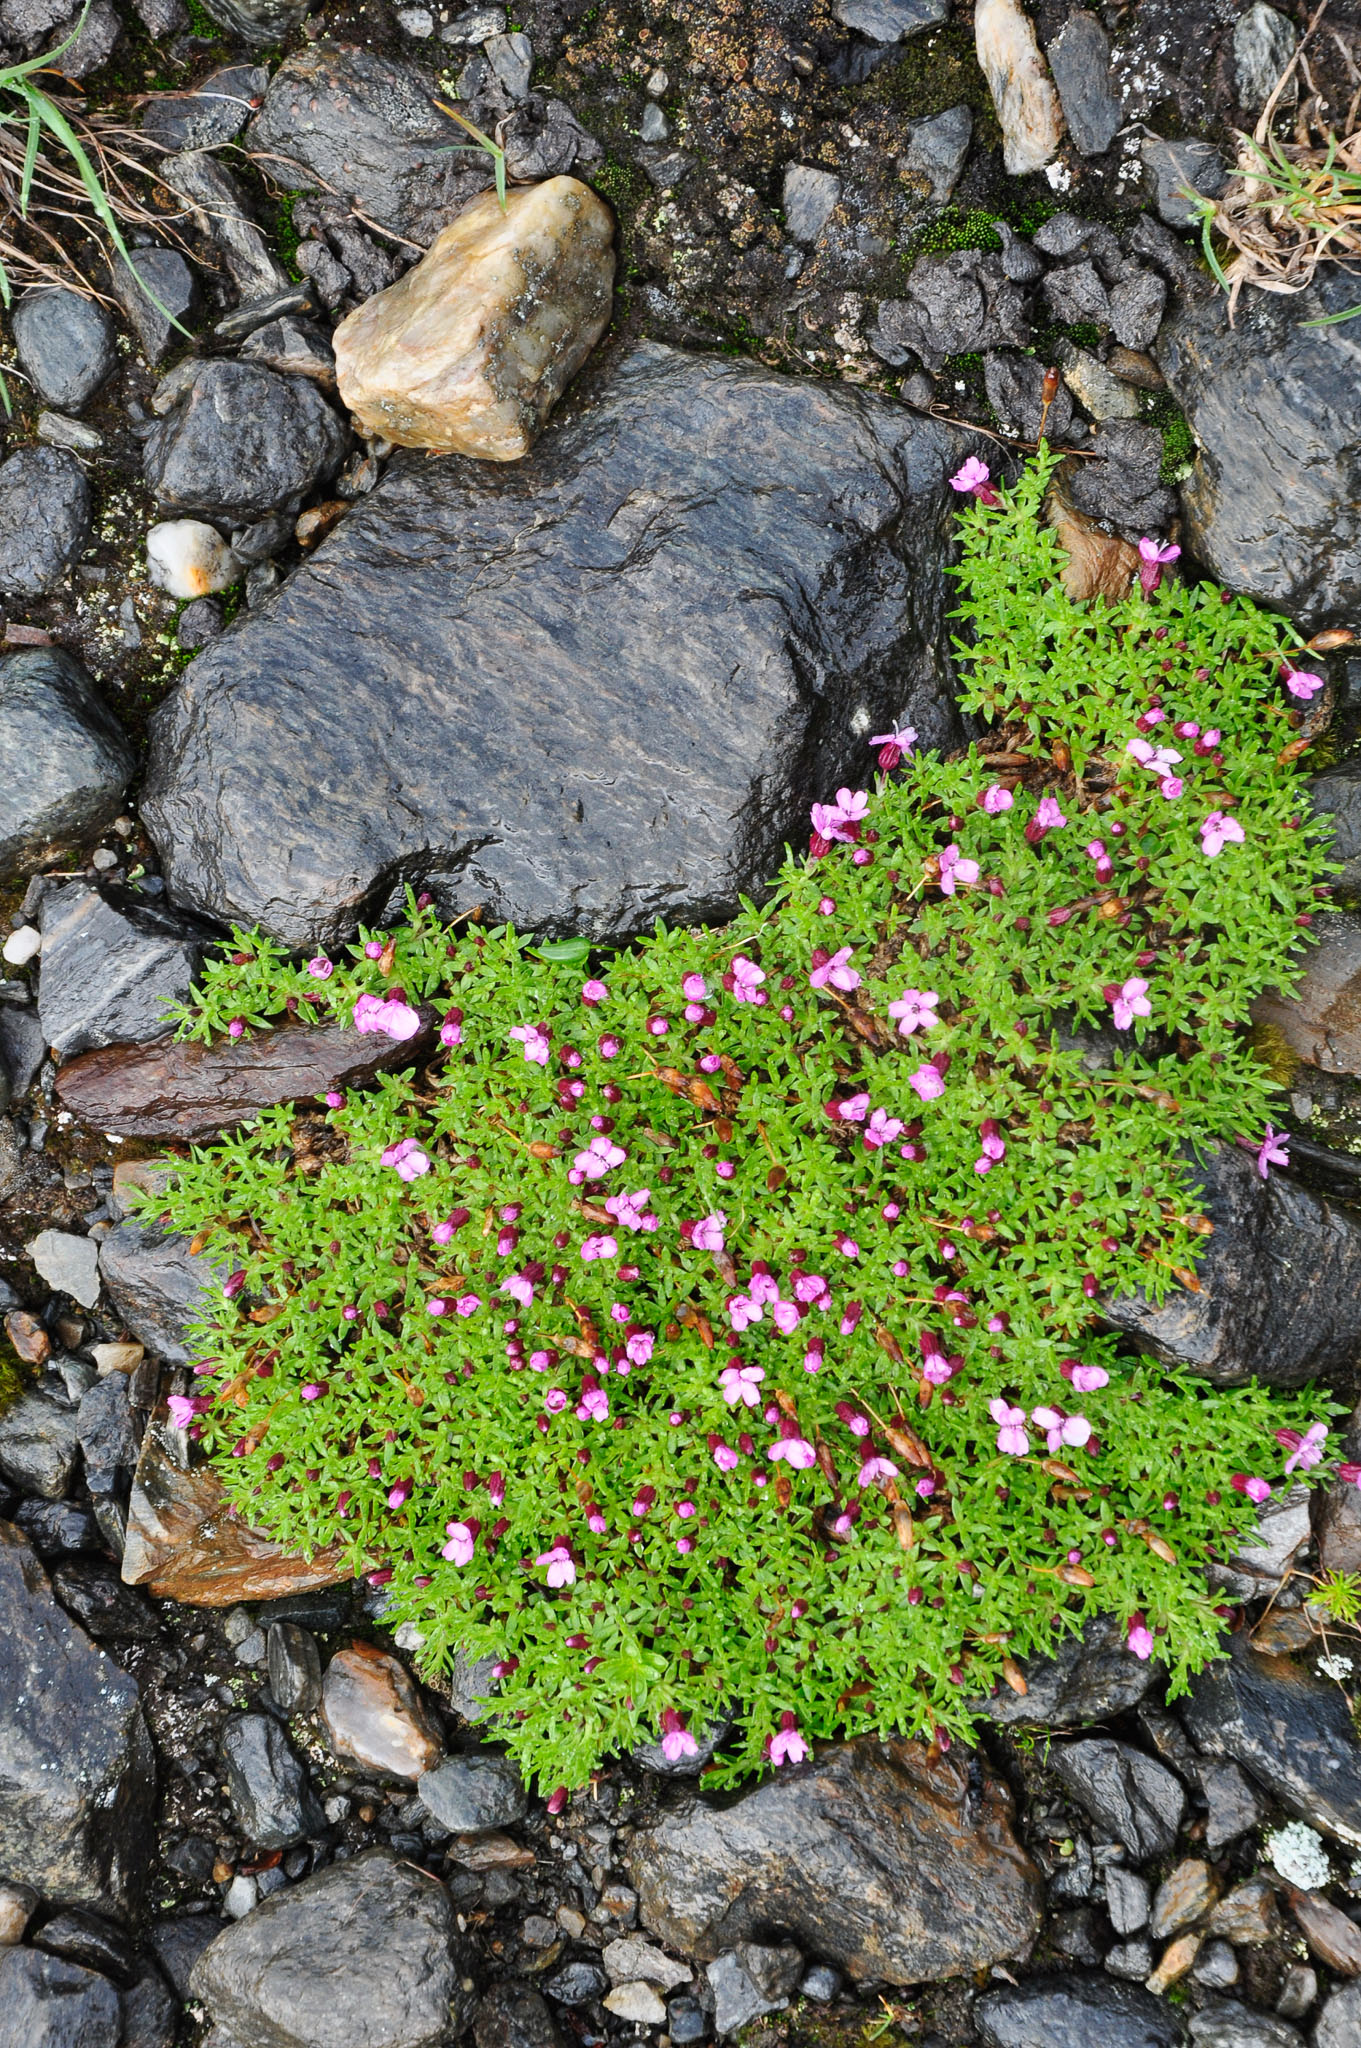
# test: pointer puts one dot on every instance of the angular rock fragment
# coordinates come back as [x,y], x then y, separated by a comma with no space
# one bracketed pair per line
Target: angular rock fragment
[215,112]
[1079,58]
[1321,1021]
[953,305]
[242,441]
[44,519]
[936,150]
[159,301]
[470,350]
[1076,2011]
[218,208]
[1176,173]
[890,21]
[1022,90]
[158,1286]
[1131,1794]
[1089,1677]
[468,1793]
[38,1444]
[1337,1511]
[112,965]
[46,2002]
[271,1800]
[66,343]
[374,1713]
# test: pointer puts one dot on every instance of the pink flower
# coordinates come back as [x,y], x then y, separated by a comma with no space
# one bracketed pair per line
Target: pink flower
[391,1018]
[1129,1002]
[534,1041]
[450,1033]
[1159,761]
[795,1450]
[915,1010]
[594,1405]
[996,798]
[954,869]
[599,1246]
[408,1159]
[928,1082]
[1218,831]
[313,1391]
[601,1156]
[400,1494]
[787,1746]
[707,1235]
[468,1304]
[1256,1490]
[459,1548]
[1048,815]
[1305,1451]
[321,969]
[1302,683]
[183,1408]
[811,1288]
[555,1400]
[852,804]
[1151,561]
[834,970]
[764,1286]
[519,1288]
[1061,1431]
[893,745]
[849,1109]
[747,978]
[875,1469]
[974,476]
[1171,787]
[740,1383]
[1085,1379]
[639,1347]
[880,1130]
[560,1570]
[237,1027]
[994,1147]
[694,988]
[631,1211]
[1139,1639]
[593,992]
[725,1457]
[677,1741]
[743,1311]
[1271,1152]
[1011,1436]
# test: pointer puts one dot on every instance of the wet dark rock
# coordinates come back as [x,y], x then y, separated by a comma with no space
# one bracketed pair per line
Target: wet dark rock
[951,305]
[1122,490]
[1227,2024]
[1090,1677]
[158,1286]
[515,2015]
[1321,1021]
[1074,293]
[241,442]
[57,1528]
[219,209]
[39,1444]
[1337,1511]
[169,280]
[188,1090]
[1132,1959]
[23,1048]
[198,623]
[1172,169]
[94,1595]
[1215,1967]
[1339,2024]
[93,32]
[80,1936]
[182,1544]
[544,139]
[1079,58]
[890,21]
[373,1712]
[1290,1730]
[471,1792]
[885,1861]
[1074,2012]
[1336,796]
[366,126]
[48,2003]
[214,113]
[271,1800]
[111,967]
[66,343]
[1135,1798]
[1280,1296]
[68,1263]
[1248,1914]
[272,1978]
[578,1984]
[703,789]
[261,23]
[77,1770]
[1127,1900]
[44,519]
[177,1944]
[937,150]
[1136,309]
[1234,1806]
[150,2011]
[1266,398]
[294,347]
[294,1668]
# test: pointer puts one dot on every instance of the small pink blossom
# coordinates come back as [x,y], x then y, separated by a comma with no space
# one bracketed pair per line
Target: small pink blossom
[1129,1002]
[1139,1640]
[740,1383]
[237,1026]
[1218,831]
[1152,560]
[677,1741]
[795,1450]
[915,1010]
[391,1017]
[928,1082]
[880,1130]
[1048,815]
[873,1470]
[1011,1436]
[594,1405]
[320,969]
[954,869]
[996,798]
[468,1304]
[519,1287]
[1085,1379]
[408,1159]
[974,476]
[1305,1451]
[787,1746]
[534,1041]
[811,1288]
[893,745]
[1061,1431]
[600,1245]
[559,1568]
[600,1157]
[1301,682]
[834,971]
[459,1548]
[400,1494]
[1257,1490]
[631,1211]
[725,1457]
[1272,1151]
[707,1235]
[743,1311]
[639,1346]
[593,992]
[694,988]
[450,1033]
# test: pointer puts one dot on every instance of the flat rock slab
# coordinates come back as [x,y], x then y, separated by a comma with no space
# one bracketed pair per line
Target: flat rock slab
[46,2002]
[64,759]
[158,1286]
[888,1863]
[184,1543]
[1128,1794]
[77,1770]
[1321,1022]
[1292,1731]
[1090,1677]
[1076,2011]
[111,967]
[189,1090]
[1280,1283]
[1271,506]
[587,690]
[364,1953]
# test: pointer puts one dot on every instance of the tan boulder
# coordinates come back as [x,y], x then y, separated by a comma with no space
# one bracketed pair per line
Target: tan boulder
[469,352]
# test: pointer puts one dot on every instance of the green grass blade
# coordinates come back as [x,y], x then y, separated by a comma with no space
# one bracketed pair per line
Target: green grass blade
[35,130]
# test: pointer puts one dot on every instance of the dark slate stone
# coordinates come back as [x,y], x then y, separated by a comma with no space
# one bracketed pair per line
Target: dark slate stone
[1337,1510]
[219,207]
[1171,169]
[672,567]
[77,1770]
[151,2013]
[1076,2011]
[1074,293]
[1292,1731]
[177,1944]
[264,24]
[23,1047]
[58,1528]
[514,2015]
[1227,2024]
[881,1859]
[294,1668]
[1336,795]
[1123,489]
[937,149]
[1090,1677]
[951,305]
[80,1936]
[158,1286]
[64,759]
[367,126]
[213,113]
[1014,384]
[890,21]
[272,1978]
[1339,2023]
[48,2003]
[1280,1281]
[1137,309]
[271,1800]
[94,1595]
[44,519]
[111,967]
[241,442]
[580,1984]
[1270,397]
[1131,1795]
[166,294]
[1079,58]
[469,1793]
[66,343]
[1234,1805]
[38,1444]
[108,1440]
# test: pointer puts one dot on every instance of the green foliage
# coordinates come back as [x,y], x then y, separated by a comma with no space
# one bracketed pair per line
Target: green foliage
[402,1365]
[1339,1596]
[1179,446]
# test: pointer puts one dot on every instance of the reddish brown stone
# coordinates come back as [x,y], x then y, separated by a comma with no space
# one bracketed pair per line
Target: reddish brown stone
[28,1337]
[1334,1938]
[183,1544]
[373,1713]
[167,1090]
